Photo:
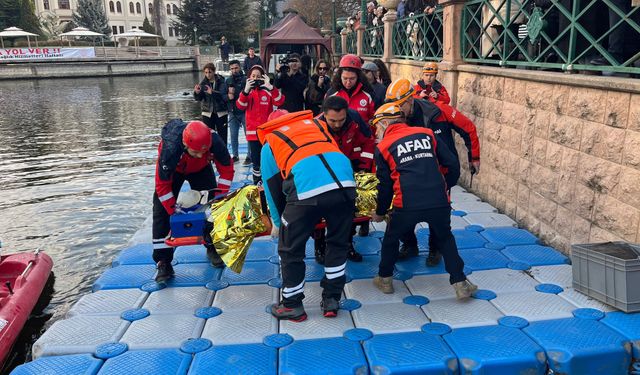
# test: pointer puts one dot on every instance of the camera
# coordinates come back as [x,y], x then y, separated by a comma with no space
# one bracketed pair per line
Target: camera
[258,83]
[284,64]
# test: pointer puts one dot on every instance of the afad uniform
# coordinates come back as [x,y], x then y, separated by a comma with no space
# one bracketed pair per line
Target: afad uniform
[443,95]
[443,119]
[174,166]
[258,105]
[355,140]
[359,100]
[307,178]
[408,161]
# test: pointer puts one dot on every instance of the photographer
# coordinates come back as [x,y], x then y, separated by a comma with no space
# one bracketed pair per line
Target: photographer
[318,86]
[236,82]
[212,95]
[292,82]
[257,99]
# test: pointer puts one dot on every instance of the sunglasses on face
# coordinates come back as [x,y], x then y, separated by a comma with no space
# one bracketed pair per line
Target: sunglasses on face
[323,68]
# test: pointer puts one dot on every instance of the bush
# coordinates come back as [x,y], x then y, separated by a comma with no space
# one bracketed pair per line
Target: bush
[148,42]
[64,43]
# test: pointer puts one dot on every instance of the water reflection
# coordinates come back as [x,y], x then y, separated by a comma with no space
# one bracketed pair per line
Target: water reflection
[77,162]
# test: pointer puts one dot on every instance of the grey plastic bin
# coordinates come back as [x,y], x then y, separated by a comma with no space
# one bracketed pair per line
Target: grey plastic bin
[608,272]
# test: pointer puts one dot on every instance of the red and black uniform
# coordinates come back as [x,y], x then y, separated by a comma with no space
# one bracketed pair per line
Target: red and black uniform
[443,95]
[173,167]
[258,105]
[408,161]
[355,141]
[359,100]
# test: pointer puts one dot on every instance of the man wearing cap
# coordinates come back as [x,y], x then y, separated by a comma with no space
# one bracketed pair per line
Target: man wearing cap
[370,70]
[429,87]
[408,161]
[442,119]
[185,153]
[307,178]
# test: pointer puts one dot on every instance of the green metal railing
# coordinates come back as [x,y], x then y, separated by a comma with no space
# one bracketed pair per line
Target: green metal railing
[373,41]
[352,42]
[600,35]
[338,39]
[419,37]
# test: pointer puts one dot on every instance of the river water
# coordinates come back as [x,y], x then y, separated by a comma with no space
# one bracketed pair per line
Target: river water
[76,172]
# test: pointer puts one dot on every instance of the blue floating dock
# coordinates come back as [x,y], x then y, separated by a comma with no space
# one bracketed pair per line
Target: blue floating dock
[214,321]
[582,346]
[535,255]
[496,350]
[325,356]
[410,353]
[236,359]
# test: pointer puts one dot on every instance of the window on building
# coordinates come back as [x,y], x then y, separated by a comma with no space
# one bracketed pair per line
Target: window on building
[138,8]
[150,8]
[134,27]
[121,29]
[175,9]
[119,7]
[115,29]
[112,7]
[131,8]
[168,8]
[64,4]
[46,4]
[171,31]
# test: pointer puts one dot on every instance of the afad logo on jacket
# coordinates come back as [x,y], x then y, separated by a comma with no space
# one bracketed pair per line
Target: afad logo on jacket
[413,146]
[263,100]
[363,102]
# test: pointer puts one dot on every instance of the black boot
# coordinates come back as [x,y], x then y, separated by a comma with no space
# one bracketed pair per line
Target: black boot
[353,255]
[296,314]
[408,251]
[214,257]
[364,230]
[165,271]
[433,259]
[319,246]
[329,307]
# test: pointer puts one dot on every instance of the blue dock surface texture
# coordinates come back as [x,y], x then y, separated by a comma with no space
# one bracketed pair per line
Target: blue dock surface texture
[525,319]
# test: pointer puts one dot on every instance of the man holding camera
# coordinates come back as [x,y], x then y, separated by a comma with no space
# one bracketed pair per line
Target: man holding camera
[292,82]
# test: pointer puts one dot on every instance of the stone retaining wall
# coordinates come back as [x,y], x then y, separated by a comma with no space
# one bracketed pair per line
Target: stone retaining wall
[559,153]
[75,69]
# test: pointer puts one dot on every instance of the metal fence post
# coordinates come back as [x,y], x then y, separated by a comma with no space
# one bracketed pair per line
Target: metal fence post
[360,40]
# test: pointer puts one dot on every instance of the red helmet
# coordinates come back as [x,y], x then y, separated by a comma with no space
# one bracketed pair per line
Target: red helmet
[350,61]
[197,136]
[277,113]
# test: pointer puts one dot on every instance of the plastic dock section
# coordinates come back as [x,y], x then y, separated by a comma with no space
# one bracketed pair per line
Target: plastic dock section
[525,319]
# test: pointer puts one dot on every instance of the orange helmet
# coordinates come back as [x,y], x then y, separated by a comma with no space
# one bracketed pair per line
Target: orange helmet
[387,111]
[350,61]
[430,67]
[399,91]
[197,136]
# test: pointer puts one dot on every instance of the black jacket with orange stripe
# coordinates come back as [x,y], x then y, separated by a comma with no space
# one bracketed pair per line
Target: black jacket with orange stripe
[442,119]
[408,161]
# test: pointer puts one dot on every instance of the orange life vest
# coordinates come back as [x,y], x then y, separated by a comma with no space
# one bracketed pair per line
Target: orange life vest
[295,136]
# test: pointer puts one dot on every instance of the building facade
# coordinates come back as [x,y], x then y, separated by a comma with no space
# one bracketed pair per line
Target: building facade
[123,15]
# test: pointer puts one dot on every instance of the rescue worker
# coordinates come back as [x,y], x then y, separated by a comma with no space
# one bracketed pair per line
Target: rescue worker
[441,119]
[257,99]
[429,87]
[350,83]
[306,178]
[355,140]
[185,153]
[407,161]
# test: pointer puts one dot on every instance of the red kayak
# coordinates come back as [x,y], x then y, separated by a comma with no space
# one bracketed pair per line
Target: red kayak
[22,278]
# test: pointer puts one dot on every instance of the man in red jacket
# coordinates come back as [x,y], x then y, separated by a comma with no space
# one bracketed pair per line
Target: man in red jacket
[185,153]
[442,119]
[408,161]
[356,141]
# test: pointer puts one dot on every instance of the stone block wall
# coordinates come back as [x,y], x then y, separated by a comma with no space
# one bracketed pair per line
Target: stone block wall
[560,154]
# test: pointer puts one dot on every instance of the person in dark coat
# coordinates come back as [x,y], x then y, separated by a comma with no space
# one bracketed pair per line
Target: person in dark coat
[251,60]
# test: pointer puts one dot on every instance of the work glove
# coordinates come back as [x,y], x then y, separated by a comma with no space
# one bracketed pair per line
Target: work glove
[267,82]
[248,86]
[474,167]
[188,199]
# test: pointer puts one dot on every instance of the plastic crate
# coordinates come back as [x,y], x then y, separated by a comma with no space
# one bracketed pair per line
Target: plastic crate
[608,272]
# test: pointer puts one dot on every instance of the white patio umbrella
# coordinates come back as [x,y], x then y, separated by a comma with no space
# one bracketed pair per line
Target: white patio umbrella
[137,34]
[16,32]
[83,31]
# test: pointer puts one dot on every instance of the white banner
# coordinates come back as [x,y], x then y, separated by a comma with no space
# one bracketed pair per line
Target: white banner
[46,53]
